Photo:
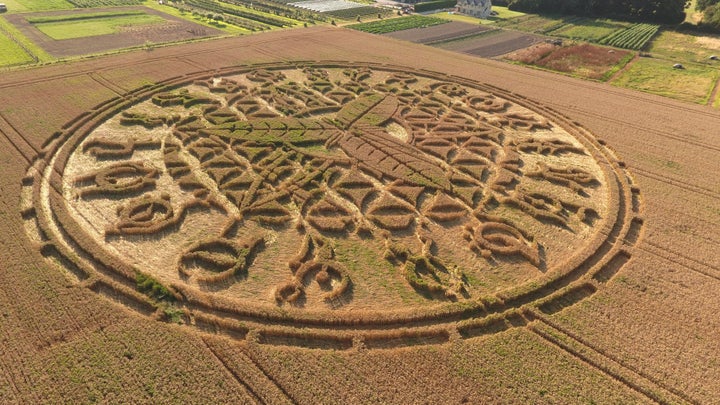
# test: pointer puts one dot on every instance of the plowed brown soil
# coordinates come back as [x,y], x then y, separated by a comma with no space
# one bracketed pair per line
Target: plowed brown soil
[643,329]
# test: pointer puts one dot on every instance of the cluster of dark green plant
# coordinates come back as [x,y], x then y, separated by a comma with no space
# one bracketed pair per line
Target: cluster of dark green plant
[153,288]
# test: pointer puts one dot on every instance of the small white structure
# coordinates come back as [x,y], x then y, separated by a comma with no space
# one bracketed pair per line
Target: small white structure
[3,8]
[475,8]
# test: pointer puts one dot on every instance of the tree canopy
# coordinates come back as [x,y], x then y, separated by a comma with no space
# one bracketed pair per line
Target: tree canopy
[662,11]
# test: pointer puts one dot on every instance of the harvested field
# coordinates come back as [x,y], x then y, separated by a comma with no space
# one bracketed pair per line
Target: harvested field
[629,317]
[491,44]
[78,43]
[439,33]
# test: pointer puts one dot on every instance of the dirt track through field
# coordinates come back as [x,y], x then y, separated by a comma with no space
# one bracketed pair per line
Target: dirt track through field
[626,343]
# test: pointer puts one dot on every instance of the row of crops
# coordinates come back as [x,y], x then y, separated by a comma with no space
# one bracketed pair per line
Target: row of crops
[103,3]
[238,16]
[360,12]
[634,37]
[607,32]
[398,24]
[277,8]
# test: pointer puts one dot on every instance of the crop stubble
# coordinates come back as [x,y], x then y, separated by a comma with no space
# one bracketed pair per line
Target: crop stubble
[591,107]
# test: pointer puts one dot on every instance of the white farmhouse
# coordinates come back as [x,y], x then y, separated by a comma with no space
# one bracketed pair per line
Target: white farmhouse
[475,8]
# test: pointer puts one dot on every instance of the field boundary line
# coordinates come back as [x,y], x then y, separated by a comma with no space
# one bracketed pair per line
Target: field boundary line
[250,391]
[665,252]
[191,62]
[623,69]
[607,364]
[99,79]
[252,367]
[10,379]
[16,138]
[714,92]
[675,182]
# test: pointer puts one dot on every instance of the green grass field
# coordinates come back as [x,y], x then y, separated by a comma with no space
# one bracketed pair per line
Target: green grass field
[503,14]
[87,25]
[590,29]
[31,46]
[535,23]
[657,76]
[11,53]
[22,6]
[684,47]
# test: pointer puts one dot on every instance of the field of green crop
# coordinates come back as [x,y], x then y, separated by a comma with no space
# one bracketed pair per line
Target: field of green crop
[589,29]
[398,24]
[21,6]
[11,53]
[86,25]
[634,37]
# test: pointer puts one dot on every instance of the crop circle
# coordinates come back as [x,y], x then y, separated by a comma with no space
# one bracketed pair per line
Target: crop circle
[344,202]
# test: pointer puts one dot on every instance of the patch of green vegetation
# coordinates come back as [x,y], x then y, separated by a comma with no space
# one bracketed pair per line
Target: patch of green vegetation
[503,13]
[174,314]
[460,17]
[39,53]
[364,261]
[11,53]
[671,164]
[657,76]
[287,20]
[88,25]
[590,29]
[537,23]
[21,6]
[621,64]
[202,20]
[152,288]
[397,24]
[85,16]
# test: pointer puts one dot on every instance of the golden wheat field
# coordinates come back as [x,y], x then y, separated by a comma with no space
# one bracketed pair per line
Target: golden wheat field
[325,216]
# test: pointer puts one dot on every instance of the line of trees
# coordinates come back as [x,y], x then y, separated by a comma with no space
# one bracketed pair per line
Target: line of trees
[711,14]
[660,11]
